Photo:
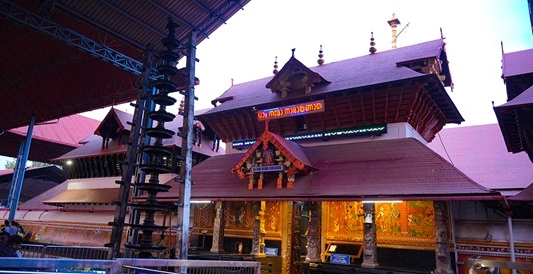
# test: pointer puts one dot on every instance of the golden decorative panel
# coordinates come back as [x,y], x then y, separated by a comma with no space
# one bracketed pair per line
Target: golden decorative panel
[401,223]
[239,215]
[273,219]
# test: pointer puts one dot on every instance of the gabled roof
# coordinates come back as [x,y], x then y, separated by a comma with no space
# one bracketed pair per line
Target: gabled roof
[517,63]
[291,150]
[364,71]
[480,153]
[93,144]
[121,118]
[288,69]
[394,169]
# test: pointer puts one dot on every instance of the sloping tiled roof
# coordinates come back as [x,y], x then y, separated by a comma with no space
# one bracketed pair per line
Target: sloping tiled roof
[480,153]
[523,99]
[525,195]
[363,71]
[93,144]
[517,63]
[401,168]
[36,181]
[85,196]
[49,140]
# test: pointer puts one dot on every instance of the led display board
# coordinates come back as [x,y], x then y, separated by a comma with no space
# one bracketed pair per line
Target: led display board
[292,110]
[324,135]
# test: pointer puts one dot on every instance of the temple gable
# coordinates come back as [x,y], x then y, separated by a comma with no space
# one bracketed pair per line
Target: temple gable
[271,156]
[294,76]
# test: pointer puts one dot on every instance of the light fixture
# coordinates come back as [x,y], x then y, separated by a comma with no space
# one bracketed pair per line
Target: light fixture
[382,202]
[69,162]
[368,220]
[200,202]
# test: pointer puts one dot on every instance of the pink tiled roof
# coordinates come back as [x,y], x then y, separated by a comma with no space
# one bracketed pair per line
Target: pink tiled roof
[524,98]
[378,68]
[480,152]
[517,63]
[524,195]
[69,130]
[402,168]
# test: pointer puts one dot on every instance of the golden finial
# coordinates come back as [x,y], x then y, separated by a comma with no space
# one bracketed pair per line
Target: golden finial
[320,55]
[372,44]
[275,71]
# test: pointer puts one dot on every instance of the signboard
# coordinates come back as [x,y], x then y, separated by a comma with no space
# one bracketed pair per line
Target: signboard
[344,132]
[268,168]
[271,251]
[339,259]
[292,110]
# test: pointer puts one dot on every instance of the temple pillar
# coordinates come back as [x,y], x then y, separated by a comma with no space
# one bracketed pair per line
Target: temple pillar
[258,244]
[218,229]
[442,245]
[286,232]
[313,232]
[370,251]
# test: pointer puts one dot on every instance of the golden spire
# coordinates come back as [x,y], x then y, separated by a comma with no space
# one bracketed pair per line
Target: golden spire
[275,71]
[394,22]
[320,55]
[372,44]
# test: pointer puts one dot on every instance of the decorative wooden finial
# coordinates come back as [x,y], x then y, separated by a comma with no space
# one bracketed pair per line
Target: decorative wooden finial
[275,71]
[293,52]
[320,55]
[372,44]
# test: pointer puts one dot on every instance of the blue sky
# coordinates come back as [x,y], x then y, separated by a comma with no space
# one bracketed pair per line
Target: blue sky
[244,48]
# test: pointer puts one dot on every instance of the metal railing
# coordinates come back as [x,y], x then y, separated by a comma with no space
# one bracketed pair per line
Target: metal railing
[73,252]
[126,266]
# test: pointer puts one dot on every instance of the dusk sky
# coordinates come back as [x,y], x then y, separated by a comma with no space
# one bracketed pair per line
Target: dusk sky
[245,47]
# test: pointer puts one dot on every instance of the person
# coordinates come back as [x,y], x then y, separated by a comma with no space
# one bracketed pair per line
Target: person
[8,249]
[16,243]
[18,229]
[5,226]
[4,236]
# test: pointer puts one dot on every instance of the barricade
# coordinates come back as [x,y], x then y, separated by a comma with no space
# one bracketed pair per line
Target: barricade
[125,266]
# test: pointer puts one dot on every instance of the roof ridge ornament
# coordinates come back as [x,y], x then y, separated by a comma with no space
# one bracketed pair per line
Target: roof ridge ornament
[275,71]
[372,43]
[320,60]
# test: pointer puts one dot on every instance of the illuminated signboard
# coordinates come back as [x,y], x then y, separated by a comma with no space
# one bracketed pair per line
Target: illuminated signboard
[292,110]
[268,168]
[345,132]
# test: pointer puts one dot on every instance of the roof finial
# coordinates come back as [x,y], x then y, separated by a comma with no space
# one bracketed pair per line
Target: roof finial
[501,43]
[320,55]
[441,35]
[293,51]
[394,22]
[232,82]
[372,44]
[275,71]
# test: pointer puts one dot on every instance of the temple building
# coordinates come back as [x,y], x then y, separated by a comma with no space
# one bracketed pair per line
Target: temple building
[341,167]
[330,166]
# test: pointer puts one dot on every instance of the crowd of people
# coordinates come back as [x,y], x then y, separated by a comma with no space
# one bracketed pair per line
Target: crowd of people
[11,239]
